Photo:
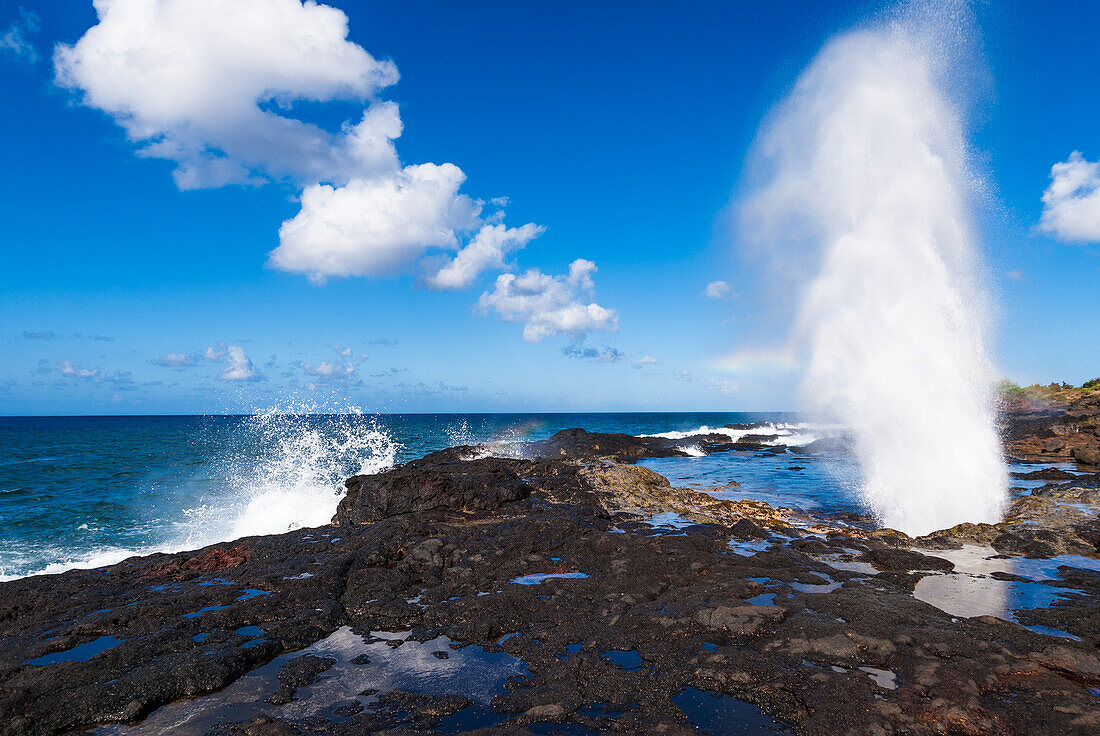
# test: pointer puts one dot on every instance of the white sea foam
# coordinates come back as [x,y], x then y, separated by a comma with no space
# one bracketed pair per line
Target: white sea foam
[865,179]
[790,435]
[99,557]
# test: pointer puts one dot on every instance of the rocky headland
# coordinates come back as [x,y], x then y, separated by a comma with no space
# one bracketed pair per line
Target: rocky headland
[1053,423]
[572,591]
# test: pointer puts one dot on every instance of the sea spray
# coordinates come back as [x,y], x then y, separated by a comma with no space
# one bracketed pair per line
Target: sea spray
[865,184]
[277,470]
[290,473]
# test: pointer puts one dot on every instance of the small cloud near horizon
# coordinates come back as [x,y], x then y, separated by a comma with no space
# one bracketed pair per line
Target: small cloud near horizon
[329,371]
[239,366]
[389,372]
[176,360]
[603,354]
[121,380]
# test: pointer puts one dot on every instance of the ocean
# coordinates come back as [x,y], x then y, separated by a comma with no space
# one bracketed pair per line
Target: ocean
[91,491]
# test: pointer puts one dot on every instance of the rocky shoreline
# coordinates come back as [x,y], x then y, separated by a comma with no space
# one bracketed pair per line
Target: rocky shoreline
[1053,424]
[574,592]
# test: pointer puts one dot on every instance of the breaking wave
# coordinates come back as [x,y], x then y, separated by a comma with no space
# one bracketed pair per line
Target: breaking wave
[279,470]
[290,474]
[790,435]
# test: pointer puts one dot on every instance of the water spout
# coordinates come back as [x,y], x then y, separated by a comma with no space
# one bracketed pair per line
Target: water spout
[866,182]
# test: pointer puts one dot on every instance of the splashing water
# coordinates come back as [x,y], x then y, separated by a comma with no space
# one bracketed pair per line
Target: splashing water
[866,177]
[263,474]
[290,474]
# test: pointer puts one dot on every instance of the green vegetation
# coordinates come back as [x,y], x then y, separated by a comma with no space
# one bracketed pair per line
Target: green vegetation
[1009,390]
[1051,393]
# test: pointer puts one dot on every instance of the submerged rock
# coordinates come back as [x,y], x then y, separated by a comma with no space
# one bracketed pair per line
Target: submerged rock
[297,673]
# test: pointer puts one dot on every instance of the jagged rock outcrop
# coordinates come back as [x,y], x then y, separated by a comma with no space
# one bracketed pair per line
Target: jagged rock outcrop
[430,484]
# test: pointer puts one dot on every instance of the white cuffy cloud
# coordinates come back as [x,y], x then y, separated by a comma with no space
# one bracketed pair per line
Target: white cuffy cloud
[550,305]
[217,87]
[1071,204]
[375,227]
[488,249]
[206,83]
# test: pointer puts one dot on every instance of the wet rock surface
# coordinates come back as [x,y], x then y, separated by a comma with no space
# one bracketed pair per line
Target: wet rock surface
[814,625]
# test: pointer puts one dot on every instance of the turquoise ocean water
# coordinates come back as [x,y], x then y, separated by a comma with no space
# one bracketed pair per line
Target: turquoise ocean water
[90,491]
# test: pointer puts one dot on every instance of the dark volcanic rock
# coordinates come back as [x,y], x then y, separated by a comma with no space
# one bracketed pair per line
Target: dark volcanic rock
[1054,444]
[581,444]
[739,621]
[888,558]
[297,673]
[426,485]
[1087,455]
[825,446]
[1060,427]
[757,439]
[1046,474]
[528,559]
[1040,543]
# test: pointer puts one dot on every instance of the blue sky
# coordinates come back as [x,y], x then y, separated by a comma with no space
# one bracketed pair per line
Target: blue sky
[620,130]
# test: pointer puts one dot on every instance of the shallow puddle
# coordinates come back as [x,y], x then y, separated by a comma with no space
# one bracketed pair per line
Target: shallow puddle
[970,590]
[201,611]
[470,718]
[883,678]
[79,653]
[668,520]
[764,599]
[561,729]
[724,715]
[827,587]
[749,547]
[844,562]
[414,666]
[629,660]
[539,578]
